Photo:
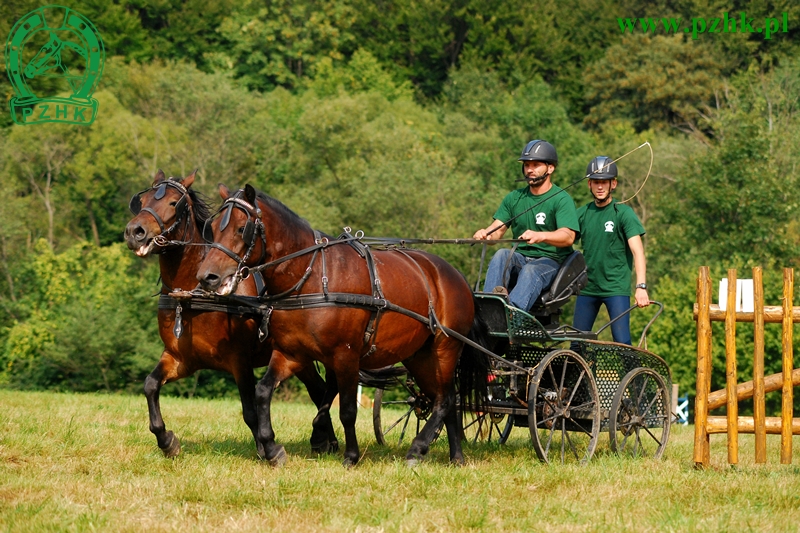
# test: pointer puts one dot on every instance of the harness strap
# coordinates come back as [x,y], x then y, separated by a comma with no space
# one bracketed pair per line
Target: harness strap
[338,299]
[321,243]
[248,305]
[377,292]
[297,286]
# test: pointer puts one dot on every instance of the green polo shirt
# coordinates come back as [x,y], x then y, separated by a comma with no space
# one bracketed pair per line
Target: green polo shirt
[604,237]
[542,212]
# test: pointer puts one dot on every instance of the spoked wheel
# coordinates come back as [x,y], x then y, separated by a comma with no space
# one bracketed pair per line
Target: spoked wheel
[639,419]
[401,419]
[563,409]
[486,427]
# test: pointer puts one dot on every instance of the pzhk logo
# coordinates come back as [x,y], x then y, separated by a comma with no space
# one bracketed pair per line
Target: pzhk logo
[73,51]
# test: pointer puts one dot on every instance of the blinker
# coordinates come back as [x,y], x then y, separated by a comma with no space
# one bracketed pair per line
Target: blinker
[226,218]
[179,207]
[135,204]
[248,233]
[208,232]
[161,191]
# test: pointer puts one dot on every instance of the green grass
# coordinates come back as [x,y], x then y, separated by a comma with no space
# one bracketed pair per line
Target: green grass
[88,463]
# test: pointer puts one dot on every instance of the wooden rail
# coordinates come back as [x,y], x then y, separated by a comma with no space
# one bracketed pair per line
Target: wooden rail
[732,424]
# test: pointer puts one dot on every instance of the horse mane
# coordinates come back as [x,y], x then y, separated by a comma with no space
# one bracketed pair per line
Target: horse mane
[202,208]
[284,212]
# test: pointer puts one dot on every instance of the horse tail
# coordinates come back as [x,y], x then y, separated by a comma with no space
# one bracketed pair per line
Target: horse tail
[474,368]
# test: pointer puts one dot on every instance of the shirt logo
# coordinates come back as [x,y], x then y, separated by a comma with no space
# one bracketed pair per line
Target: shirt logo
[540,218]
[610,226]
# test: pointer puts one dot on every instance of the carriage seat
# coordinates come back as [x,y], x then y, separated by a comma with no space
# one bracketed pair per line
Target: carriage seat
[570,279]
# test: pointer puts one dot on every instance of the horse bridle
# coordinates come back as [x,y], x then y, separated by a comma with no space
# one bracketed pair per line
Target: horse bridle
[253,227]
[181,207]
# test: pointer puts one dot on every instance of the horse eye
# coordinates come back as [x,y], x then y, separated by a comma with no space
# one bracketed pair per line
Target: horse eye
[240,231]
[173,204]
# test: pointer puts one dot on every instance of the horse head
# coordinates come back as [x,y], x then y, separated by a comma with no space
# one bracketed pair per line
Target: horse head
[239,241]
[161,211]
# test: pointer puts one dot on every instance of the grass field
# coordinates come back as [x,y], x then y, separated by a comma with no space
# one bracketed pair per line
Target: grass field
[88,463]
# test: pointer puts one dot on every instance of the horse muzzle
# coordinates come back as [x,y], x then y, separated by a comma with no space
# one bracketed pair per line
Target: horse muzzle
[138,241]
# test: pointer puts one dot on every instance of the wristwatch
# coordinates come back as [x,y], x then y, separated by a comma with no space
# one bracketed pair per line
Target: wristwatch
[641,286]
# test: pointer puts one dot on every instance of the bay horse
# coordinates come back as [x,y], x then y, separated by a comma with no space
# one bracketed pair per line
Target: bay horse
[345,305]
[169,218]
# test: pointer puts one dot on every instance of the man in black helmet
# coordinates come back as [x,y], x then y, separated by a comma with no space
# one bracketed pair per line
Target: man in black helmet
[611,235]
[540,214]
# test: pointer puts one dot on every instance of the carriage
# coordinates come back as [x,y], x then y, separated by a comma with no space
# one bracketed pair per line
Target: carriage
[566,386]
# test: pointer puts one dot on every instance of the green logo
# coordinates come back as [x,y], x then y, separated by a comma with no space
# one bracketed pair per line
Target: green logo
[73,51]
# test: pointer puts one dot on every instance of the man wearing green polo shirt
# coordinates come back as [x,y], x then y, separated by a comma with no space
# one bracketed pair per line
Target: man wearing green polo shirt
[543,217]
[611,235]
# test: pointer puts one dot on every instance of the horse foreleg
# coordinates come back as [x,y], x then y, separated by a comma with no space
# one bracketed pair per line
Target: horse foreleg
[246,383]
[322,393]
[265,436]
[167,441]
[347,380]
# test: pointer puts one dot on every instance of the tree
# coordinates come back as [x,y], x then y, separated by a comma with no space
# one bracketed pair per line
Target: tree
[654,81]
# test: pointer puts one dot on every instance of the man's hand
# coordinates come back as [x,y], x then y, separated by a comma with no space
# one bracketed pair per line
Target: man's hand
[480,235]
[642,299]
[495,231]
[533,237]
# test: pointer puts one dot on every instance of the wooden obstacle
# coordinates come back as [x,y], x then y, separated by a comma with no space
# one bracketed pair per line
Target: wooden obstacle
[733,424]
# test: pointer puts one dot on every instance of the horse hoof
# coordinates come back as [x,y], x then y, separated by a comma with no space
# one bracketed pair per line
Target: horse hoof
[326,447]
[348,463]
[279,459]
[413,462]
[457,461]
[173,448]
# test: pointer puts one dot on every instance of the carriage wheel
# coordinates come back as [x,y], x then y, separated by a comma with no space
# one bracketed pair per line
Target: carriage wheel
[401,419]
[563,409]
[639,419]
[486,427]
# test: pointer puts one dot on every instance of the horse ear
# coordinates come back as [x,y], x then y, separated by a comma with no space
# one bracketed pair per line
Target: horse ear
[224,192]
[188,180]
[250,194]
[159,177]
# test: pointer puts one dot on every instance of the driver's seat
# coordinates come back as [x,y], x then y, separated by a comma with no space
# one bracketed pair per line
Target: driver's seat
[570,279]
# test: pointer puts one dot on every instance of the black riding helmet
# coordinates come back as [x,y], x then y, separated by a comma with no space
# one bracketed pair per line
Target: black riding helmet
[601,168]
[539,151]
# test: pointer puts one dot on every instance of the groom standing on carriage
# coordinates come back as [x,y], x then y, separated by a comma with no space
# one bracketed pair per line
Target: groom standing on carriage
[542,215]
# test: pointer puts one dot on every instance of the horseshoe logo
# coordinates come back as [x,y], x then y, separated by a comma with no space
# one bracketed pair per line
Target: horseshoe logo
[67,31]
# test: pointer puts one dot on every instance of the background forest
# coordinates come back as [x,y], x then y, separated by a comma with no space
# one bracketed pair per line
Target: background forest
[398,118]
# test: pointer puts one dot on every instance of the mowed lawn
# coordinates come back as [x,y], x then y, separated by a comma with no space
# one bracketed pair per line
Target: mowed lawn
[88,463]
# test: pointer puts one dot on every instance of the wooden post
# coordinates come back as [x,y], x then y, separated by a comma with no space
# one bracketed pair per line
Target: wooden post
[787,398]
[702,451]
[730,370]
[759,409]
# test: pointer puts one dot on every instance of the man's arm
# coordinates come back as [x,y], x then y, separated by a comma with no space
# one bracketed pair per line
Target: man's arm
[560,238]
[483,234]
[640,265]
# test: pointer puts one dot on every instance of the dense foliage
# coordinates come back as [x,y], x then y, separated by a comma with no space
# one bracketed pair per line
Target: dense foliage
[398,118]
